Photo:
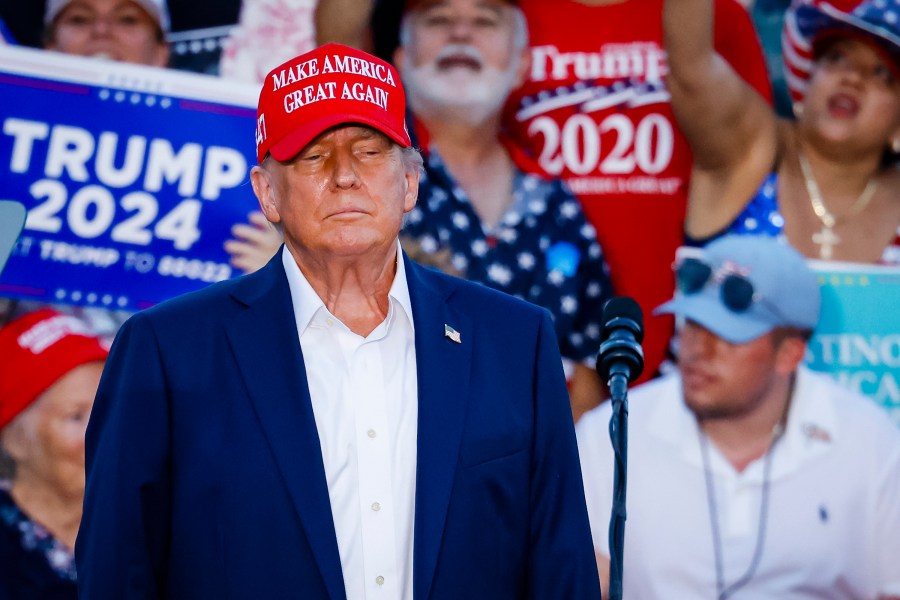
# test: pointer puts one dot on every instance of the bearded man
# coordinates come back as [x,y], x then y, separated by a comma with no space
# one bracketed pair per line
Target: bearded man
[516,232]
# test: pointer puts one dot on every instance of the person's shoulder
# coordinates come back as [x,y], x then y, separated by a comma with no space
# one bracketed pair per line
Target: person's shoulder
[190,302]
[10,533]
[7,504]
[855,413]
[199,305]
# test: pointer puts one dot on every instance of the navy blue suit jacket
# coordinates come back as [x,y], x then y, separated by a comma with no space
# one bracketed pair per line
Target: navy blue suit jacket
[205,476]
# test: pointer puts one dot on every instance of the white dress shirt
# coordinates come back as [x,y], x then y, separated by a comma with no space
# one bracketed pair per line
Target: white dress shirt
[365,403]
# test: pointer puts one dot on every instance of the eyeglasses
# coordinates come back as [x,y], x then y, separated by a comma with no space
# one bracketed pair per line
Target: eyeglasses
[735,290]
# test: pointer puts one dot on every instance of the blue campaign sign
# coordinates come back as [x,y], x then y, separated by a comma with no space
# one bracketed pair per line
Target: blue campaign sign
[132,177]
[858,336]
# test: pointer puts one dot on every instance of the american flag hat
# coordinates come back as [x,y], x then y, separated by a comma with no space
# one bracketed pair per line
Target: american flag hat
[805,20]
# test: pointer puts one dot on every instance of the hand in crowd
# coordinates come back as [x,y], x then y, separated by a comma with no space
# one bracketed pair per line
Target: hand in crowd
[254,243]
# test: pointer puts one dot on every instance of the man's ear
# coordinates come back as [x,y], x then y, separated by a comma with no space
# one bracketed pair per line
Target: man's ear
[412,189]
[790,353]
[524,66]
[14,438]
[399,55]
[261,181]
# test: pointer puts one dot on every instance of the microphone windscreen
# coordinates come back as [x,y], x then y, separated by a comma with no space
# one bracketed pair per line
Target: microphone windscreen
[622,307]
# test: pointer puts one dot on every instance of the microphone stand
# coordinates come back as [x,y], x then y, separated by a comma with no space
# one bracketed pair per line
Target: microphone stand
[620,361]
[618,435]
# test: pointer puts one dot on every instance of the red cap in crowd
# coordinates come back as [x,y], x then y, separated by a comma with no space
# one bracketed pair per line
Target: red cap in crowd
[37,350]
[325,87]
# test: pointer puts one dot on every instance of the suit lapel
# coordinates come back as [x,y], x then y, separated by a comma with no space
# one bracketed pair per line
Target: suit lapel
[264,340]
[443,369]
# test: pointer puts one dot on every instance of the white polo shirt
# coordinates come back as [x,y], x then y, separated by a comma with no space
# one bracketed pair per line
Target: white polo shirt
[364,397]
[834,511]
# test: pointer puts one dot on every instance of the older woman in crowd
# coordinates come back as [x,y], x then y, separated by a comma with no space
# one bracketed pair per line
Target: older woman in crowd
[827,181]
[49,375]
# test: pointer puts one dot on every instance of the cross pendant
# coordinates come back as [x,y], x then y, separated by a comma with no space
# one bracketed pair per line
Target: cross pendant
[827,240]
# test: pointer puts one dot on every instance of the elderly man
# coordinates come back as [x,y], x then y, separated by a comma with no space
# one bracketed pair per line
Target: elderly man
[342,423]
[520,233]
[750,476]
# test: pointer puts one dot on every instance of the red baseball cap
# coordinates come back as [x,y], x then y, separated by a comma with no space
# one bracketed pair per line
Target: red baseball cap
[328,86]
[37,350]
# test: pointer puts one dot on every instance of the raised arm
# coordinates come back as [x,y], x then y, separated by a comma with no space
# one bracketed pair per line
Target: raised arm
[730,127]
[344,22]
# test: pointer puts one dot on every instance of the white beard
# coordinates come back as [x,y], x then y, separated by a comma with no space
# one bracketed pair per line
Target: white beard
[471,96]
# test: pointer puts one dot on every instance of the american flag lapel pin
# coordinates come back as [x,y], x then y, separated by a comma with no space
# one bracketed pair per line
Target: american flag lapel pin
[452,334]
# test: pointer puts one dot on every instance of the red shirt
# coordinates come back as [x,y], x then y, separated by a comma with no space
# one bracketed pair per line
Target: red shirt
[595,111]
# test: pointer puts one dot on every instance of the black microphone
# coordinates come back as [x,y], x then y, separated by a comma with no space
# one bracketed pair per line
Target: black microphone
[621,355]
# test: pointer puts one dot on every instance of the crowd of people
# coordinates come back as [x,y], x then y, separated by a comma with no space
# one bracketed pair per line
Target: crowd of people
[515,153]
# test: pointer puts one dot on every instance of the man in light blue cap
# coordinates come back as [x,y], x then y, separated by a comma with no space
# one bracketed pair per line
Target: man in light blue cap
[742,287]
[747,472]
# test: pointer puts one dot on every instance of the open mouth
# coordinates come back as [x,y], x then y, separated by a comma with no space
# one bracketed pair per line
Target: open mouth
[459,61]
[843,105]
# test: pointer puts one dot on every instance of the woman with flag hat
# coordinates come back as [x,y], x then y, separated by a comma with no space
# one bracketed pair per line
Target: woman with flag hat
[827,179]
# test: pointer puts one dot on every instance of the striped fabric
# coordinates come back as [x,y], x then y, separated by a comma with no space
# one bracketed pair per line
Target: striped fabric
[806,18]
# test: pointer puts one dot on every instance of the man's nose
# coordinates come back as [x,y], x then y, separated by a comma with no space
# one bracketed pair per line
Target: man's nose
[101,27]
[344,173]
[854,73]
[695,340]
[461,29]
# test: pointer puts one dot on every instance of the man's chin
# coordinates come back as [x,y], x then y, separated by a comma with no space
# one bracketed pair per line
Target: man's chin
[702,405]
[459,87]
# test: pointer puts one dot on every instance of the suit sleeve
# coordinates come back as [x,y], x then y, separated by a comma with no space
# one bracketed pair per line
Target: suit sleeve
[562,563]
[121,551]
[597,470]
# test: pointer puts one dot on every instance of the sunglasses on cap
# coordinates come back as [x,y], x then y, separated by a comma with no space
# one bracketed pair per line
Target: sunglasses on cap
[736,292]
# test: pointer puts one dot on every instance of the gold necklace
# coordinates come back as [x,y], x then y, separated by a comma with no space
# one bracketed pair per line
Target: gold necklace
[826,238]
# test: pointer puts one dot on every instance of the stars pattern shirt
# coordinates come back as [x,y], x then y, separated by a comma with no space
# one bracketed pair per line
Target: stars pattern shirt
[762,216]
[542,249]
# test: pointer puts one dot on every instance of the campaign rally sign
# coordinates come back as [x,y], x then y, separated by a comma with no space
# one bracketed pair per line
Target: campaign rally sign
[132,177]
[858,337]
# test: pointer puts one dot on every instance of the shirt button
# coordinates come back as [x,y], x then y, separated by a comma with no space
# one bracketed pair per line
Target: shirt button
[376,507]
[379,580]
[371,433]
[329,321]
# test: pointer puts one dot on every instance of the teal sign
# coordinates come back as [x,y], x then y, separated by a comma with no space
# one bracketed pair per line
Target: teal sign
[858,337]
